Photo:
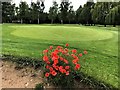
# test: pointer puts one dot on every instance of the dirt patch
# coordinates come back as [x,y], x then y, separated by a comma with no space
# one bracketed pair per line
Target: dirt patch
[27,77]
[13,77]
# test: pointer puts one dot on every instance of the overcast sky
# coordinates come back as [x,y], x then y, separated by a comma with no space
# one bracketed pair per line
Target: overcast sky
[48,3]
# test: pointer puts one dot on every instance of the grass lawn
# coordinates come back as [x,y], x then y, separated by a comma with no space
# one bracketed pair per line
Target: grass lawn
[100,42]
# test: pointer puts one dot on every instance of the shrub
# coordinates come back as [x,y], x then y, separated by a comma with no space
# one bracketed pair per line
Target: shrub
[61,65]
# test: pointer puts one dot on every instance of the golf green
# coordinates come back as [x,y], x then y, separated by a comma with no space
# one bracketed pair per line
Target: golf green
[61,33]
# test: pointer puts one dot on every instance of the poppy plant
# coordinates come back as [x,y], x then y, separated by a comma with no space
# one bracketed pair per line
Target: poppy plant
[60,62]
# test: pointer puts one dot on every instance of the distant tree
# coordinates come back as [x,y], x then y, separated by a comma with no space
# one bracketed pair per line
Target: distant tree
[53,12]
[38,7]
[78,12]
[71,14]
[34,12]
[17,13]
[113,17]
[63,11]
[8,12]
[42,7]
[101,9]
[23,11]
[94,13]
[85,14]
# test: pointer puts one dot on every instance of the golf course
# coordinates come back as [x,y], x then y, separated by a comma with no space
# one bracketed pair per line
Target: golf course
[101,43]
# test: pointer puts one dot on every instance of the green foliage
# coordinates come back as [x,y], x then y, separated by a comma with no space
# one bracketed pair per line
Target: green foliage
[63,12]
[91,13]
[112,16]
[71,15]
[85,13]
[53,12]
[8,12]
[100,11]
[78,12]
[23,11]
[39,87]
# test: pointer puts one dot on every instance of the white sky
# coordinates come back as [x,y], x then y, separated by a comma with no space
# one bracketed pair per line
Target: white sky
[48,3]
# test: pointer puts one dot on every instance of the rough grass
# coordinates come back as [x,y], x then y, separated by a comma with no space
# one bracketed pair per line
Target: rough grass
[100,42]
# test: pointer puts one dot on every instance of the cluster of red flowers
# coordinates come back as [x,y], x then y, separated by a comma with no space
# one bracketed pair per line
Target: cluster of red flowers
[56,63]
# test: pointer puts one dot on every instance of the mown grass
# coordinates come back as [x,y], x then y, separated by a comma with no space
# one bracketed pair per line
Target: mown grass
[100,42]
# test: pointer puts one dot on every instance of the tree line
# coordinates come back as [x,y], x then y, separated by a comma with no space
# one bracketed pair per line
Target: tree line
[104,13]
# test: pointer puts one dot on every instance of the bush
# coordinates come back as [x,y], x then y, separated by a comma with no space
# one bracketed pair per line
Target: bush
[61,65]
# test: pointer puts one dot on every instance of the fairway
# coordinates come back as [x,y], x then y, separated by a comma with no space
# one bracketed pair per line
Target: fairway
[100,42]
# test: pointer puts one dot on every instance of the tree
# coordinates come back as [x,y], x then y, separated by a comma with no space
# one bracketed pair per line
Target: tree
[85,14]
[17,13]
[99,12]
[71,14]
[8,12]
[78,12]
[63,11]
[23,11]
[53,12]
[40,8]
[113,16]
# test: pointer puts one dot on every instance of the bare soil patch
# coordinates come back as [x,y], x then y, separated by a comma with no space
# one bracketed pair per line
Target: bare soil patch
[27,77]
[13,77]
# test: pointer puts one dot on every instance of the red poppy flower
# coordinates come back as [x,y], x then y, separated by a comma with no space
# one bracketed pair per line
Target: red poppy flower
[67,45]
[74,56]
[85,52]
[77,66]
[61,58]
[67,67]
[54,73]
[60,50]
[53,54]
[60,67]
[63,52]
[51,69]
[51,47]
[47,74]
[64,71]
[54,57]
[56,51]
[80,54]
[45,58]
[61,70]
[67,73]
[47,67]
[74,51]
[45,51]
[56,67]
[58,47]
[53,65]
[75,61]
[66,61]
[56,61]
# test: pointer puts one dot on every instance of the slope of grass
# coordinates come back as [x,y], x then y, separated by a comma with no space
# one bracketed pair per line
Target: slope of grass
[100,42]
